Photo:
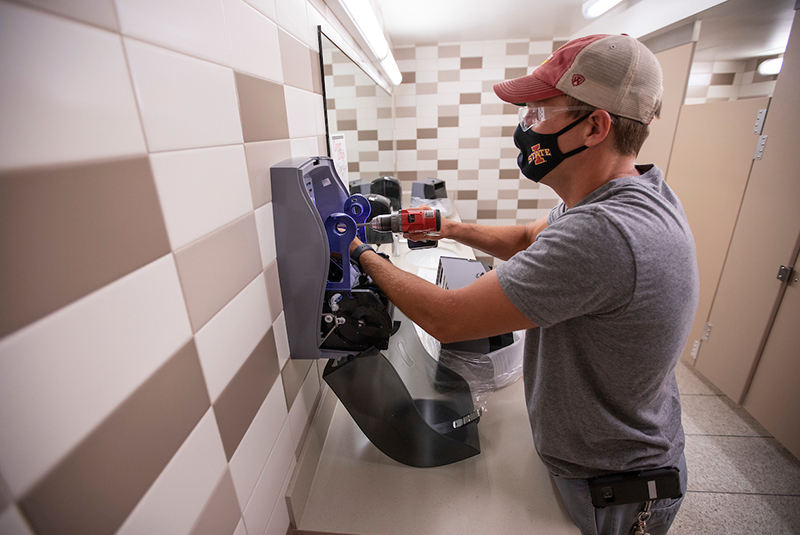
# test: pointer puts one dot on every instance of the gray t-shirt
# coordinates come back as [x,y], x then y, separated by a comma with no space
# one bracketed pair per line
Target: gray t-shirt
[612,283]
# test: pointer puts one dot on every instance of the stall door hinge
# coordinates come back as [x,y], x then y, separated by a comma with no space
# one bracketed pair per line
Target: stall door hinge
[784,273]
[762,142]
[762,114]
[708,332]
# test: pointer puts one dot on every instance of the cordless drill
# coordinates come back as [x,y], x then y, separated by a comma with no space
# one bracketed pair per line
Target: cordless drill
[409,221]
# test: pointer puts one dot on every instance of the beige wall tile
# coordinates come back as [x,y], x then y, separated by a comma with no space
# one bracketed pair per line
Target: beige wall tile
[262,106]
[217,267]
[238,404]
[94,489]
[293,374]
[69,231]
[274,290]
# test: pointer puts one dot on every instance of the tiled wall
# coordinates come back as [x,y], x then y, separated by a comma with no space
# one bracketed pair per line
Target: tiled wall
[449,124]
[145,380]
[361,110]
[721,81]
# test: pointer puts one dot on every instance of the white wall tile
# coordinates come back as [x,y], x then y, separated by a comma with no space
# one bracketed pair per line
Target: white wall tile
[201,190]
[256,445]
[98,12]
[186,102]
[293,17]
[301,111]
[176,498]
[225,342]
[265,7]
[267,491]
[303,403]
[281,339]
[60,376]
[12,523]
[265,225]
[53,114]
[306,147]
[279,521]
[196,27]
[254,41]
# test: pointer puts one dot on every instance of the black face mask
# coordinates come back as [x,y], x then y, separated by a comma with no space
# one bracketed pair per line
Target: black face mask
[539,153]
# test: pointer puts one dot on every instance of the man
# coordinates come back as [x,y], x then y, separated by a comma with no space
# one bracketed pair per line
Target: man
[606,285]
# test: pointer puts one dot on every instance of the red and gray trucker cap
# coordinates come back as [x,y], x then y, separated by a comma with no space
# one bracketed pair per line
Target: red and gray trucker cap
[615,73]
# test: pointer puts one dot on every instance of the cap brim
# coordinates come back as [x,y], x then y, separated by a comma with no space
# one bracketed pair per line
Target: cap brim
[525,89]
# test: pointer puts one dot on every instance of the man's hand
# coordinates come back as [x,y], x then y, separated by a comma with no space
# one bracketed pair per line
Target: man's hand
[447,225]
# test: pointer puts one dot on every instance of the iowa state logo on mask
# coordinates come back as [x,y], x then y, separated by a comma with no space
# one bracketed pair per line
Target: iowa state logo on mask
[537,154]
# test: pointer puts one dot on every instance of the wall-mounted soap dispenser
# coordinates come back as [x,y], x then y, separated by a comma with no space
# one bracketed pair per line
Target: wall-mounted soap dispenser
[413,410]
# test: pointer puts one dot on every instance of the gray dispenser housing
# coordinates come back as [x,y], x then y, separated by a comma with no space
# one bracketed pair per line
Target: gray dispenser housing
[397,394]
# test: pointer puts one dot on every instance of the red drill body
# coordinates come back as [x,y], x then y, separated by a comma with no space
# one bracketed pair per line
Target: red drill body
[409,221]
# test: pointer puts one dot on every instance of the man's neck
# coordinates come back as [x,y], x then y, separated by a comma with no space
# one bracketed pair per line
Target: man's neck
[576,184]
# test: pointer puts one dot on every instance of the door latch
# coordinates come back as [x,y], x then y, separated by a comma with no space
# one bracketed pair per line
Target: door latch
[784,273]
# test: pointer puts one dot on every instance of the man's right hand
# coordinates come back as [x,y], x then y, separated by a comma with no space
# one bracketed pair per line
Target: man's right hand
[421,236]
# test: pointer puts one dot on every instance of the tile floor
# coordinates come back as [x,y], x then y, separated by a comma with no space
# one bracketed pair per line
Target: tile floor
[741,480]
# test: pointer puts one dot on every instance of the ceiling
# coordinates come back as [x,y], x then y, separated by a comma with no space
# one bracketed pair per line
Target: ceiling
[734,29]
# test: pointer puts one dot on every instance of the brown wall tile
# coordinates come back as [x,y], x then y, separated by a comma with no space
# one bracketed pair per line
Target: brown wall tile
[261,156]
[447,164]
[347,125]
[98,484]
[488,164]
[491,131]
[344,80]
[508,131]
[5,496]
[352,167]
[510,173]
[517,49]
[293,374]
[558,44]
[427,154]
[427,89]
[527,204]
[405,111]
[386,145]
[548,204]
[534,60]
[366,90]
[409,77]
[470,98]
[295,61]
[274,290]
[469,143]
[407,176]
[238,404]
[509,152]
[367,135]
[507,194]
[468,174]
[426,133]
[448,111]
[449,51]
[487,204]
[515,72]
[262,107]
[525,183]
[449,76]
[384,113]
[506,214]
[487,214]
[347,115]
[409,52]
[316,73]
[368,156]
[510,109]
[67,231]
[472,63]
[467,195]
[445,122]
[723,78]
[493,108]
[407,144]
[221,514]
[215,268]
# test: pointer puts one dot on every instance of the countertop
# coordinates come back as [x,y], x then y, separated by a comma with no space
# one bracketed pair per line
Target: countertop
[357,490]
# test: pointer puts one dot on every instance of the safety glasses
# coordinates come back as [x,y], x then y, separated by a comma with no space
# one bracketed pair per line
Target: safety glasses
[530,117]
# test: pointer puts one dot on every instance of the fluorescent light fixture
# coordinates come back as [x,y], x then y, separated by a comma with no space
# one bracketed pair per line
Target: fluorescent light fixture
[363,17]
[594,8]
[770,67]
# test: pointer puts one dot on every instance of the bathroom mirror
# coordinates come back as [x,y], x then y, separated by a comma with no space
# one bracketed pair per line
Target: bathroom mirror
[359,113]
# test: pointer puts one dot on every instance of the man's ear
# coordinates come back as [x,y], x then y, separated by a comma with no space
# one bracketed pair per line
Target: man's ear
[599,128]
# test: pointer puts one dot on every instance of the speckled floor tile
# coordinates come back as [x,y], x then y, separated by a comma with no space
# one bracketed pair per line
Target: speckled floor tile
[691,382]
[741,464]
[737,514]
[718,415]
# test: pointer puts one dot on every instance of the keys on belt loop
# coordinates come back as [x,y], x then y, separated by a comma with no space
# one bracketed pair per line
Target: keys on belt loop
[640,527]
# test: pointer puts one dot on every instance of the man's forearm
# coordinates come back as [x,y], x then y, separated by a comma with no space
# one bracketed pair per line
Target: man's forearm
[499,241]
